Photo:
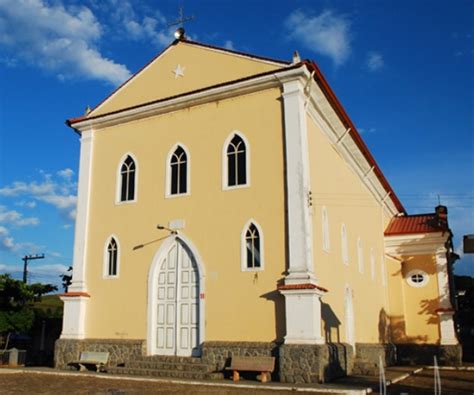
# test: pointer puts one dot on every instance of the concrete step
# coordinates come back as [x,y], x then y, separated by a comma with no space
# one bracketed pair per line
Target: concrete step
[164,365]
[169,358]
[365,368]
[182,374]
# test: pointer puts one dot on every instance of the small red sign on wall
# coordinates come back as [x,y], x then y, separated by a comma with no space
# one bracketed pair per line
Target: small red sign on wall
[201,295]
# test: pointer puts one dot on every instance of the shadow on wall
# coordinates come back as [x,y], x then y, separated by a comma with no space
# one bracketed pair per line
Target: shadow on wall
[331,324]
[279,306]
[392,329]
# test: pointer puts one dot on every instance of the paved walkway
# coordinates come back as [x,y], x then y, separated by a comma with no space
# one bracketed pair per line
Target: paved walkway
[412,380]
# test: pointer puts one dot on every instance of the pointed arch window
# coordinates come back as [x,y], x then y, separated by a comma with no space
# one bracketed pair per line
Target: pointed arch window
[252,247]
[236,162]
[111,258]
[127,179]
[325,221]
[344,247]
[179,172]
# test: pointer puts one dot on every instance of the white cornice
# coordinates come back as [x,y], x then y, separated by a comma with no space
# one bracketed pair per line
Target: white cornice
[193,99]
[320,111]
[330,123]
[416,244]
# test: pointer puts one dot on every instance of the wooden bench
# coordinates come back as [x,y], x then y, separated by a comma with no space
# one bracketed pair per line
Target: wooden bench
[264,365]
[99,359]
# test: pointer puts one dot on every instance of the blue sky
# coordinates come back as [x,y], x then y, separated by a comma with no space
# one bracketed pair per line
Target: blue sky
[402,69]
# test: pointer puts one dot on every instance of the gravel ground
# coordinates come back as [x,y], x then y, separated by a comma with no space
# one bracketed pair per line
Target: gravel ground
[34,383]
[452,382]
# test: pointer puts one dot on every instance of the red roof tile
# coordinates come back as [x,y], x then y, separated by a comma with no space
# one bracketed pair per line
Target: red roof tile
[412,224]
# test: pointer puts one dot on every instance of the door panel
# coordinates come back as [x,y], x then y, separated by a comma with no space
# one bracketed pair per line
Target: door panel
[177,303]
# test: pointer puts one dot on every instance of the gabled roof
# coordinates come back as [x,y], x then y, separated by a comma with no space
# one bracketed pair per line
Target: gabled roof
[415,224]
[206,65]
[278,66]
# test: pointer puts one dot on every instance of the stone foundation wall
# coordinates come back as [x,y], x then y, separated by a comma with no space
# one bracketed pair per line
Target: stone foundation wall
[220,353]
[368,356]
[306,363]
[69,350]
[422,354]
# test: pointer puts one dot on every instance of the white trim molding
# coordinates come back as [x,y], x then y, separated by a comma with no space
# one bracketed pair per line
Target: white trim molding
[243,248]
[225,176]
[415,244]
[152,288]
[344,245]
[118,183]
[74,318]
[168,193]
[79,283]
[415,273]
[325,226]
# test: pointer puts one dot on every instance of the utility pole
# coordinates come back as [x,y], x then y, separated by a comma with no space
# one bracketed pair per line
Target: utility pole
[25,259]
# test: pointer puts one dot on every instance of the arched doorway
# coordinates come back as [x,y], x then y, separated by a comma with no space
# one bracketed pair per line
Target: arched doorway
[174,301]
[349,317]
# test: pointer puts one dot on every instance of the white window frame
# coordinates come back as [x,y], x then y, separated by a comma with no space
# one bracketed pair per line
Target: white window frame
[105,273]
[225,176]
[325,224]
[411,273]
[360,256]
[243,248]
[168,172]
[118,183]
[372,264]
[344,245]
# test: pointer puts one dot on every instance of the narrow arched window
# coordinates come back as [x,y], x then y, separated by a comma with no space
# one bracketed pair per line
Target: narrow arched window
[127,179]
[179,172]
[325,221]
[112,258]
[344,247]
[360,255]
[252,244]
[236,162]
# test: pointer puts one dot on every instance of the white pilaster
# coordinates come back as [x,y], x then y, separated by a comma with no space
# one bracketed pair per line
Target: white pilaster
[82,213]
[74,317]
[302,295]
[300,226]
[445,312]
[75,301]
[303,316]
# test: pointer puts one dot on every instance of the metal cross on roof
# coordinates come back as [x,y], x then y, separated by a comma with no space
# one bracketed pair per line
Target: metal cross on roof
[181,19]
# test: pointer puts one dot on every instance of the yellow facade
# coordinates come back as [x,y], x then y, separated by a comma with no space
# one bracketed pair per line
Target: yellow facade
[239,305]
[208,212]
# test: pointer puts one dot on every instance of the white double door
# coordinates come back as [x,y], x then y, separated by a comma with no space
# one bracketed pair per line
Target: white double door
[177,308]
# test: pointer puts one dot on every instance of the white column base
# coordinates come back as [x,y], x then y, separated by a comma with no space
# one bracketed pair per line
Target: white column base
[446,328]
[303,314]
[74,316]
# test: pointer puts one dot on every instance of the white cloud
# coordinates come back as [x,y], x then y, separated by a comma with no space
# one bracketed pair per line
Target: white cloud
[366,131]
[327,33]
[23,203]
[59,39]
[7,243]
[15,218]
[229,45]
[59,193]
[374,61]
[136,22]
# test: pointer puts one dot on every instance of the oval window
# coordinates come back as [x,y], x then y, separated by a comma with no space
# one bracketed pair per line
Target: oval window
[417,278]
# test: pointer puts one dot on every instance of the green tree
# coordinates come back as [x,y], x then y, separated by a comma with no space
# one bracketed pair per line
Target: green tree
[16,300]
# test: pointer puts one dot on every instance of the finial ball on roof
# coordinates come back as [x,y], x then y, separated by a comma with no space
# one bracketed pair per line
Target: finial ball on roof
[179,33]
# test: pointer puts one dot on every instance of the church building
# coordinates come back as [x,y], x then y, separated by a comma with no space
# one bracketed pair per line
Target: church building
[228,206]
